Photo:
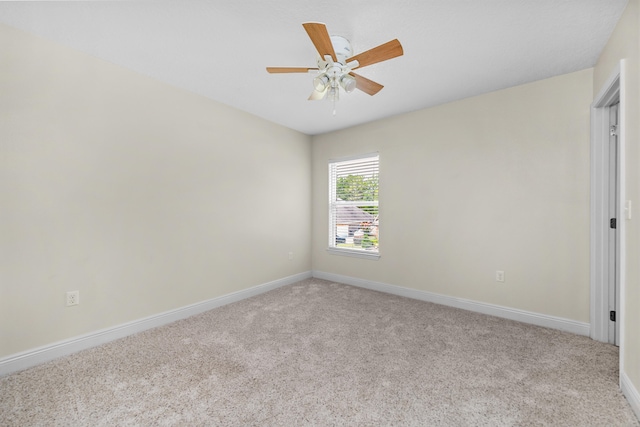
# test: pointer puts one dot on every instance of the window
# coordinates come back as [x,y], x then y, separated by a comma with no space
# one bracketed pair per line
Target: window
[353,206]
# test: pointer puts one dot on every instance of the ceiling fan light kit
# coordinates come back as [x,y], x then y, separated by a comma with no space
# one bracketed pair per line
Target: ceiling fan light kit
[336,62]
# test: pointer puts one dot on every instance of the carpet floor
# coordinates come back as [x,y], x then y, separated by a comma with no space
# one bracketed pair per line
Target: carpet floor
[322,353]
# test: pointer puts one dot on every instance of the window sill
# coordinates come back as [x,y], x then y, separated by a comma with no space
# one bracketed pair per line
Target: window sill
[353,253]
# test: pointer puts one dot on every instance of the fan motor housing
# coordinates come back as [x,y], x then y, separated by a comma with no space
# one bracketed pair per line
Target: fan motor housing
[342,48]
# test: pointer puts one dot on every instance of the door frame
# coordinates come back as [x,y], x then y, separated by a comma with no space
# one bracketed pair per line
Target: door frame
[611,92]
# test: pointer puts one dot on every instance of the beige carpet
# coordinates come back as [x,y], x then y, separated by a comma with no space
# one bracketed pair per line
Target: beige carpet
[321,353]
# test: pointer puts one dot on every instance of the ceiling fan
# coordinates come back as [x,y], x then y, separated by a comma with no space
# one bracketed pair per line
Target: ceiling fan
[336,63]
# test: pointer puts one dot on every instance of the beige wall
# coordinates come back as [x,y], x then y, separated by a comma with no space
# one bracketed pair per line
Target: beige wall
[625,44]
[143,197]
[495,182]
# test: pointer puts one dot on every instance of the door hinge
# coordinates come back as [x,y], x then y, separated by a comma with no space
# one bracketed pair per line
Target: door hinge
[612,316]
[613,130]
[612,223]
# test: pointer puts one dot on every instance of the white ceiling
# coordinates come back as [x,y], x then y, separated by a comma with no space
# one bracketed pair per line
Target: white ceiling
[453,49]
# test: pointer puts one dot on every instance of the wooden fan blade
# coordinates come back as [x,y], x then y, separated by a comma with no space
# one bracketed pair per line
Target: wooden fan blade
[367,86]
[380,53]
[289,69]
[317,96]
[320,38]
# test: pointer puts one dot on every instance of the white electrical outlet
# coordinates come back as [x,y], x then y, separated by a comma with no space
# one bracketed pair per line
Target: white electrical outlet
[73,298]
[499,276]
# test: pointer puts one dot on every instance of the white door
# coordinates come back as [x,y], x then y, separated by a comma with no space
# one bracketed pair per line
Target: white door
[614,294]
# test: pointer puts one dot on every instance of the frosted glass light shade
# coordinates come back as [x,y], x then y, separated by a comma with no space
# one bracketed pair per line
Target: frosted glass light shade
[321,82]
[348,83]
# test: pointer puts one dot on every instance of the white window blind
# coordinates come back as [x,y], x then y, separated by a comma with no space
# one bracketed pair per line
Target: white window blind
[353,205]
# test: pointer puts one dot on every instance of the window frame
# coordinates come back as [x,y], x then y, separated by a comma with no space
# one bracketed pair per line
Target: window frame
[332,202]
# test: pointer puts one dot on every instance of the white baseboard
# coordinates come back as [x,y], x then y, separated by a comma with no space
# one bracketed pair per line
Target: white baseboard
[30,358]
[631,393]
[547,321]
